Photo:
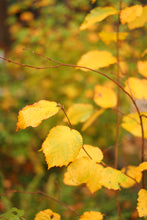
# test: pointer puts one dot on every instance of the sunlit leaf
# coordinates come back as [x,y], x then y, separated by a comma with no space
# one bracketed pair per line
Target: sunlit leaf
[91,215]
[96,59]
[68,180]
[94,183]
[92,119]
[129,14]
[96,15]
[112,178]
[47,214]
[109,37]
[142,166]
[131,123]
[136,87]
[32,115]
[134,172]
[142,203]
[27,16]
[94,152]
[139,21]
[61,146]
[142,68]
[79,112]
[105,97]
[81,169]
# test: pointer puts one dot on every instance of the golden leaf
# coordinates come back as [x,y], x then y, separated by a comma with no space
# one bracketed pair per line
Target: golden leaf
[79,112]
[108,37]
[105,97]
[27,16]
[142,203]
[135,176]
[139,21]
[47,214]
[94,152]
[136,87]
[32,115]
[129,14]
[96,59]
[91,215]
[142,68]
[96,15]
[112,178]
[142,166]
[61,146]
[131,123]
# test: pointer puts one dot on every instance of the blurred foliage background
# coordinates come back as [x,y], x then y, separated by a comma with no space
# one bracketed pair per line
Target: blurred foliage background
[51,28]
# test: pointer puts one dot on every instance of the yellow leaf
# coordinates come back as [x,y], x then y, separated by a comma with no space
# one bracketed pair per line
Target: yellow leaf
[47,214]
[96,59]
[112,178]
[131,123]
[133,172]
[61,146]
[136,87]
[143,166]
[94,183]
[142,203]
[139,21]
[129,14]
[96,15]
[79,112]
[27,16]
[80,170]
[92,119]
[91,215]
[105,97]
[94,152]
[108,37]
[68,180]
[32,115]
[142,68]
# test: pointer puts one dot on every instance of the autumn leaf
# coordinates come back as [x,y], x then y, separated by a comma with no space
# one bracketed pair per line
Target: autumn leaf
[131,123]
[133,175]
[91,215]
[142,166]
[79,112]
[96,15]
[139,21]
[47,214]
[96,59]
[80,170]
[94,182]
[68,180]
[32,115]
[112,178]
[136,87]
[61,146]
[94,152]
[129,14]
[142,203]
[142,68]
[109,37]
[105,97]
[27,16]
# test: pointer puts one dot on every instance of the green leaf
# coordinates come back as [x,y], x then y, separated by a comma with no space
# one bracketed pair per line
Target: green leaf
[13,214]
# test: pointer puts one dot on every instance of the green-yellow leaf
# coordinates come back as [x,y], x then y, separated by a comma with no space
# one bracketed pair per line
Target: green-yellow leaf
[142,68]
[133,175]
[136,87]
[129,14]
[32,115]
[139,21]
[47,214]
[94,152]
[61,146]
[105,97]
[79,112]
[131,123]
[109,37]
[142,203]
[96,59]
[91,215]
[96,15]
[112,178]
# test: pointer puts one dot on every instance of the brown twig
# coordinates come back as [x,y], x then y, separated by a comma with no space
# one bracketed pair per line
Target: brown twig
[63,109]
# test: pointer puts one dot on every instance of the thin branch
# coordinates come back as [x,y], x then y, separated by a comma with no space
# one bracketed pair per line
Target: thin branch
[87,153]
[63,109]
[43,194]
